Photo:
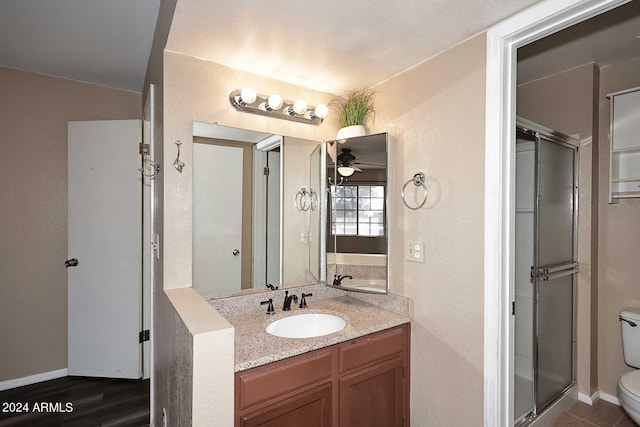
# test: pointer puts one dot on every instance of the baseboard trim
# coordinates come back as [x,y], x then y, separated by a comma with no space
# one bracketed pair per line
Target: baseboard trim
[33,379]
[589,400]
[610,398]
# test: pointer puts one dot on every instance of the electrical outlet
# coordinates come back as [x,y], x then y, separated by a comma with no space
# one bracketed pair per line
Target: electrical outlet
[414,251]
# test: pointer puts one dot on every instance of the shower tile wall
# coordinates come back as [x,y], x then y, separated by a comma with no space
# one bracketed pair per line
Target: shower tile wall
[524,234]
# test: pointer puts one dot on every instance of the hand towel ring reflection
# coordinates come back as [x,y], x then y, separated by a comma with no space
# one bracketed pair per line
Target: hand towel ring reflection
[306,200]
[418,181]
[314,199]
[154,168]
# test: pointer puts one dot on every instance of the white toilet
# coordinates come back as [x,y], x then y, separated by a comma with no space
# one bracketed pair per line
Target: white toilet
[629,383]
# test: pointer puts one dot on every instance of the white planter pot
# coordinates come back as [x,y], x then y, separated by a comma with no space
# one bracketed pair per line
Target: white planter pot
[351,131]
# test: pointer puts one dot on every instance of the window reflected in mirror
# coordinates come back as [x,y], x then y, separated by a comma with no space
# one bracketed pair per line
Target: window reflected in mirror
[357,241]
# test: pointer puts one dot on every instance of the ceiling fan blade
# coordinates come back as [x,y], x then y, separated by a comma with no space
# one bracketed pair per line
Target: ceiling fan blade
[367,164]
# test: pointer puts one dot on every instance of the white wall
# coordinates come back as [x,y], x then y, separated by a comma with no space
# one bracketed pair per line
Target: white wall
[435,116]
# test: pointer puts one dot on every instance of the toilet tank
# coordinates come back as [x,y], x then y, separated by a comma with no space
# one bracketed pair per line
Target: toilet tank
[631,336]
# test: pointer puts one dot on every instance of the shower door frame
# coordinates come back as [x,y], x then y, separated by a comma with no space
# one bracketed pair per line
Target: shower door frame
[536,131]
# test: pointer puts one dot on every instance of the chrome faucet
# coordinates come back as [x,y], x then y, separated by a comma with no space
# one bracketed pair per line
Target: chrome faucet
[337,279]
[286,305]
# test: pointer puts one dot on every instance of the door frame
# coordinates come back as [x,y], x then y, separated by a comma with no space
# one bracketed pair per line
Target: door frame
[503,40]
[149,109]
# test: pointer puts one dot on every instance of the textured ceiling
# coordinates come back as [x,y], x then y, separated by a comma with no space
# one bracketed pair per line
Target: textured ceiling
[105,42]
[329,45]
[605,39]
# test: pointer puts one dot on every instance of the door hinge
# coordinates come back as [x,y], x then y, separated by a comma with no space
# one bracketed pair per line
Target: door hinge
[513,308]
[144,336]
[266,170]
[144,149]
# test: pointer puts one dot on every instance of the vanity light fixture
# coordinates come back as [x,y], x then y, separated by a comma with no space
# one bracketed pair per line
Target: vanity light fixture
[248,101]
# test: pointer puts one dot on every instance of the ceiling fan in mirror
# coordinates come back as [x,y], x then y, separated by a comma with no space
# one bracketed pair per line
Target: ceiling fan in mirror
[347,161]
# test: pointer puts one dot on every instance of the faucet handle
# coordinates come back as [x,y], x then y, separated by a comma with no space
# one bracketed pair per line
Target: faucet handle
[270,309]
[303,301]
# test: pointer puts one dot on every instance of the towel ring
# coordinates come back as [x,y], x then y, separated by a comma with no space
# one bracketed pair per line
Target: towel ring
[303,200]
[418,180]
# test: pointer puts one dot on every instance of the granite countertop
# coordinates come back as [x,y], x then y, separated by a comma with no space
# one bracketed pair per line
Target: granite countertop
[255,347]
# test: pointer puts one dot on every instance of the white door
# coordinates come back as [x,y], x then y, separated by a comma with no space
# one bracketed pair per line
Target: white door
[274,266]
[104,235]
[217,218]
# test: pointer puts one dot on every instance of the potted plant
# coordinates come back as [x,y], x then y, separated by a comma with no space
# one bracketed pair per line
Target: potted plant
[354,112]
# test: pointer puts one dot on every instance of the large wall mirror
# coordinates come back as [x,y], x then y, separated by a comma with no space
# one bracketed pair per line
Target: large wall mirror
[259,210]
[357,222]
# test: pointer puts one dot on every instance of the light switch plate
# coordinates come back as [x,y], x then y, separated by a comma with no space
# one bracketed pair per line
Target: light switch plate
[414,251]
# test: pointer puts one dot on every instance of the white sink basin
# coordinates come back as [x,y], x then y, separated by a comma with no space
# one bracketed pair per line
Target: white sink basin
[306,325]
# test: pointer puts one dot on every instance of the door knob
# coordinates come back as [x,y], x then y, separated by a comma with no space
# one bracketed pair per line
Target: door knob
[235,252]
[73,262]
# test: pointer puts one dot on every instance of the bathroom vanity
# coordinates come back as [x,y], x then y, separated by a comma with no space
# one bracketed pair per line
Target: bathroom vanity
[364,381]
[356,376]
[343,358]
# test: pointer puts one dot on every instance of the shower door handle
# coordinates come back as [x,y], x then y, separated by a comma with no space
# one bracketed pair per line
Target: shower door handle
[546,274]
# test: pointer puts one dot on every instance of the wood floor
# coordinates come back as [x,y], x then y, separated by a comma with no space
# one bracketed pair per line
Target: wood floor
[77,402]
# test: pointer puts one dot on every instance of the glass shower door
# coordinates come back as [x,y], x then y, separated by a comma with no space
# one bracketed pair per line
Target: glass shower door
[554,269]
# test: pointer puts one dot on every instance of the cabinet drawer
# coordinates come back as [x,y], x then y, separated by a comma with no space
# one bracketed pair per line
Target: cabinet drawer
[370,348]
[265,382]
[312,408]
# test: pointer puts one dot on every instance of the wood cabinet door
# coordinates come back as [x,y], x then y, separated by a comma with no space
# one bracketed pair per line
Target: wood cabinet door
[373,397]
[310,409]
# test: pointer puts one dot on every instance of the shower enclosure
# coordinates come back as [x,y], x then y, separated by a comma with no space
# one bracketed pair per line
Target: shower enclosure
[545,268]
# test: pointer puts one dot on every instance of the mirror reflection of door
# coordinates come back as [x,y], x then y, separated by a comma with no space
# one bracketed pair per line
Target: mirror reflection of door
[218,196]
[236,210]
[275,238]
[271,253]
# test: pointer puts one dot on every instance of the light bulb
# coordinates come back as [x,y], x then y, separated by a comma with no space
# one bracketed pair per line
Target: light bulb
[275,101]
[248,95]
[300,107]
[321,111]
[346,170]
